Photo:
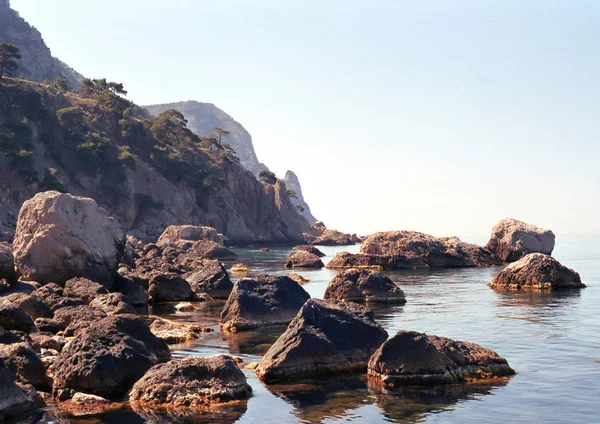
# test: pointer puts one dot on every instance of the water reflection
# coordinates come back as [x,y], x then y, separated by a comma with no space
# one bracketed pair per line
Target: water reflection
[227,414]
[252,342]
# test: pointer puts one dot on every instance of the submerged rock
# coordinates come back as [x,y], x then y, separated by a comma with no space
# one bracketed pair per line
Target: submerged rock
[513,239]
[324,338]
[358,285]
[174,332]
[411,358]
[537,271]
[107,358]
[191,383]
[61,236]
[265,300]
[303,259]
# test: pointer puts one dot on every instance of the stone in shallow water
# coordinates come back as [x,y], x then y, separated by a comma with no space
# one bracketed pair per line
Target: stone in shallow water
[324,338]
[537,271]
[513,239]
[303,259]
[411,358]
[359,285]
[211,278]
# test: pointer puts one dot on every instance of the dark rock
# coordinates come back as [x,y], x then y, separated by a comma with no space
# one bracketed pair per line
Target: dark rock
[52,295]
[207,249]
[13,317]
[169,288]
[191,383]
[113,304]
[84,289]
[265,300]
[24,363]
[8,337]
[411,358]
[133,290]
[7,263]
[512,239]
[303,259]
[71,319]
[32,305]
[48,325]
[537,271]
[357,285]
[324,338]
[16,401]
[46,341]
[335,238]
[26,287]
[311,249]
[210,278]
[60,236]
[107,358]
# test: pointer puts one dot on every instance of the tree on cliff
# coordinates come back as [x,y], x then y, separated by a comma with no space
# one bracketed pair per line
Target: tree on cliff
[267,177]
[8,55]
[108,94]
[221,133]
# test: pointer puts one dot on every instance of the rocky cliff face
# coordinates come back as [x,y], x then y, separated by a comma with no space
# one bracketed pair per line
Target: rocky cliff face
[147,172]
[203,118]
[37,63]
[292,183]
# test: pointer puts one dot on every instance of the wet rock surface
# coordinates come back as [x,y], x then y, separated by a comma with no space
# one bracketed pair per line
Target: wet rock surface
[512,239]
[264,300]
[61,236]
[364,286]
[537,271]
[191,383]
[411,358]
[324,338]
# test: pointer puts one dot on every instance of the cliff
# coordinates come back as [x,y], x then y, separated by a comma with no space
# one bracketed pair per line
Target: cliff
[203,118]
[149,172]
[292,183]
[37,63]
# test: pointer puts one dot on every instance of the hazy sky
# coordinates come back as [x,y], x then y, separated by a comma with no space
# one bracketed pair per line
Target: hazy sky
[437,116]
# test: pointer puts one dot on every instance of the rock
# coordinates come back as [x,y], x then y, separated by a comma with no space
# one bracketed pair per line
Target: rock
[212,279]
[48,342]
[48,325]
[537,271]
[512,239]
[262,301]
[7,263]
[265,249]
[24,363]
[108,357]
[71,319]
[297,278]
[26,287]
[335,238]
[240,269]
[191,383]
[411,358]
[16,401]
[184,236]
[84,289]
[61,236]
[207,249]
[358,285]
[184,307]
[13,317]
[134,292]
[173,332]
[82,404]
[113,304]
[411,249]
[309,248]
[303,259]
[31,305]
[169,288]
[324,338]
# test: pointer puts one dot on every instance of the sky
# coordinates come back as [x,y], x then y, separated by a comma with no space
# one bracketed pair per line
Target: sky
[436,116]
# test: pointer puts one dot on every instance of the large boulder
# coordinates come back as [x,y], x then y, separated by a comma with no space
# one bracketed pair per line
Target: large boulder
[191,383]
[335,238]
[324,338]
[411,249]
[25,364]
[107,358]
[207,249]
[512,239]
[264,300]
[410,358]
[72,319]
[537,271]
[12,317]
[184,236]
[357,285]
[84,289]
[169,287]
[210,278]
[7,263]
[113,304]
[303,259]
[309,248]
[16,401]
[61,236]
[133,290]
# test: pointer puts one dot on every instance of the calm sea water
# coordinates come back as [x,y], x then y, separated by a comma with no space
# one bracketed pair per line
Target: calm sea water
[552,340]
